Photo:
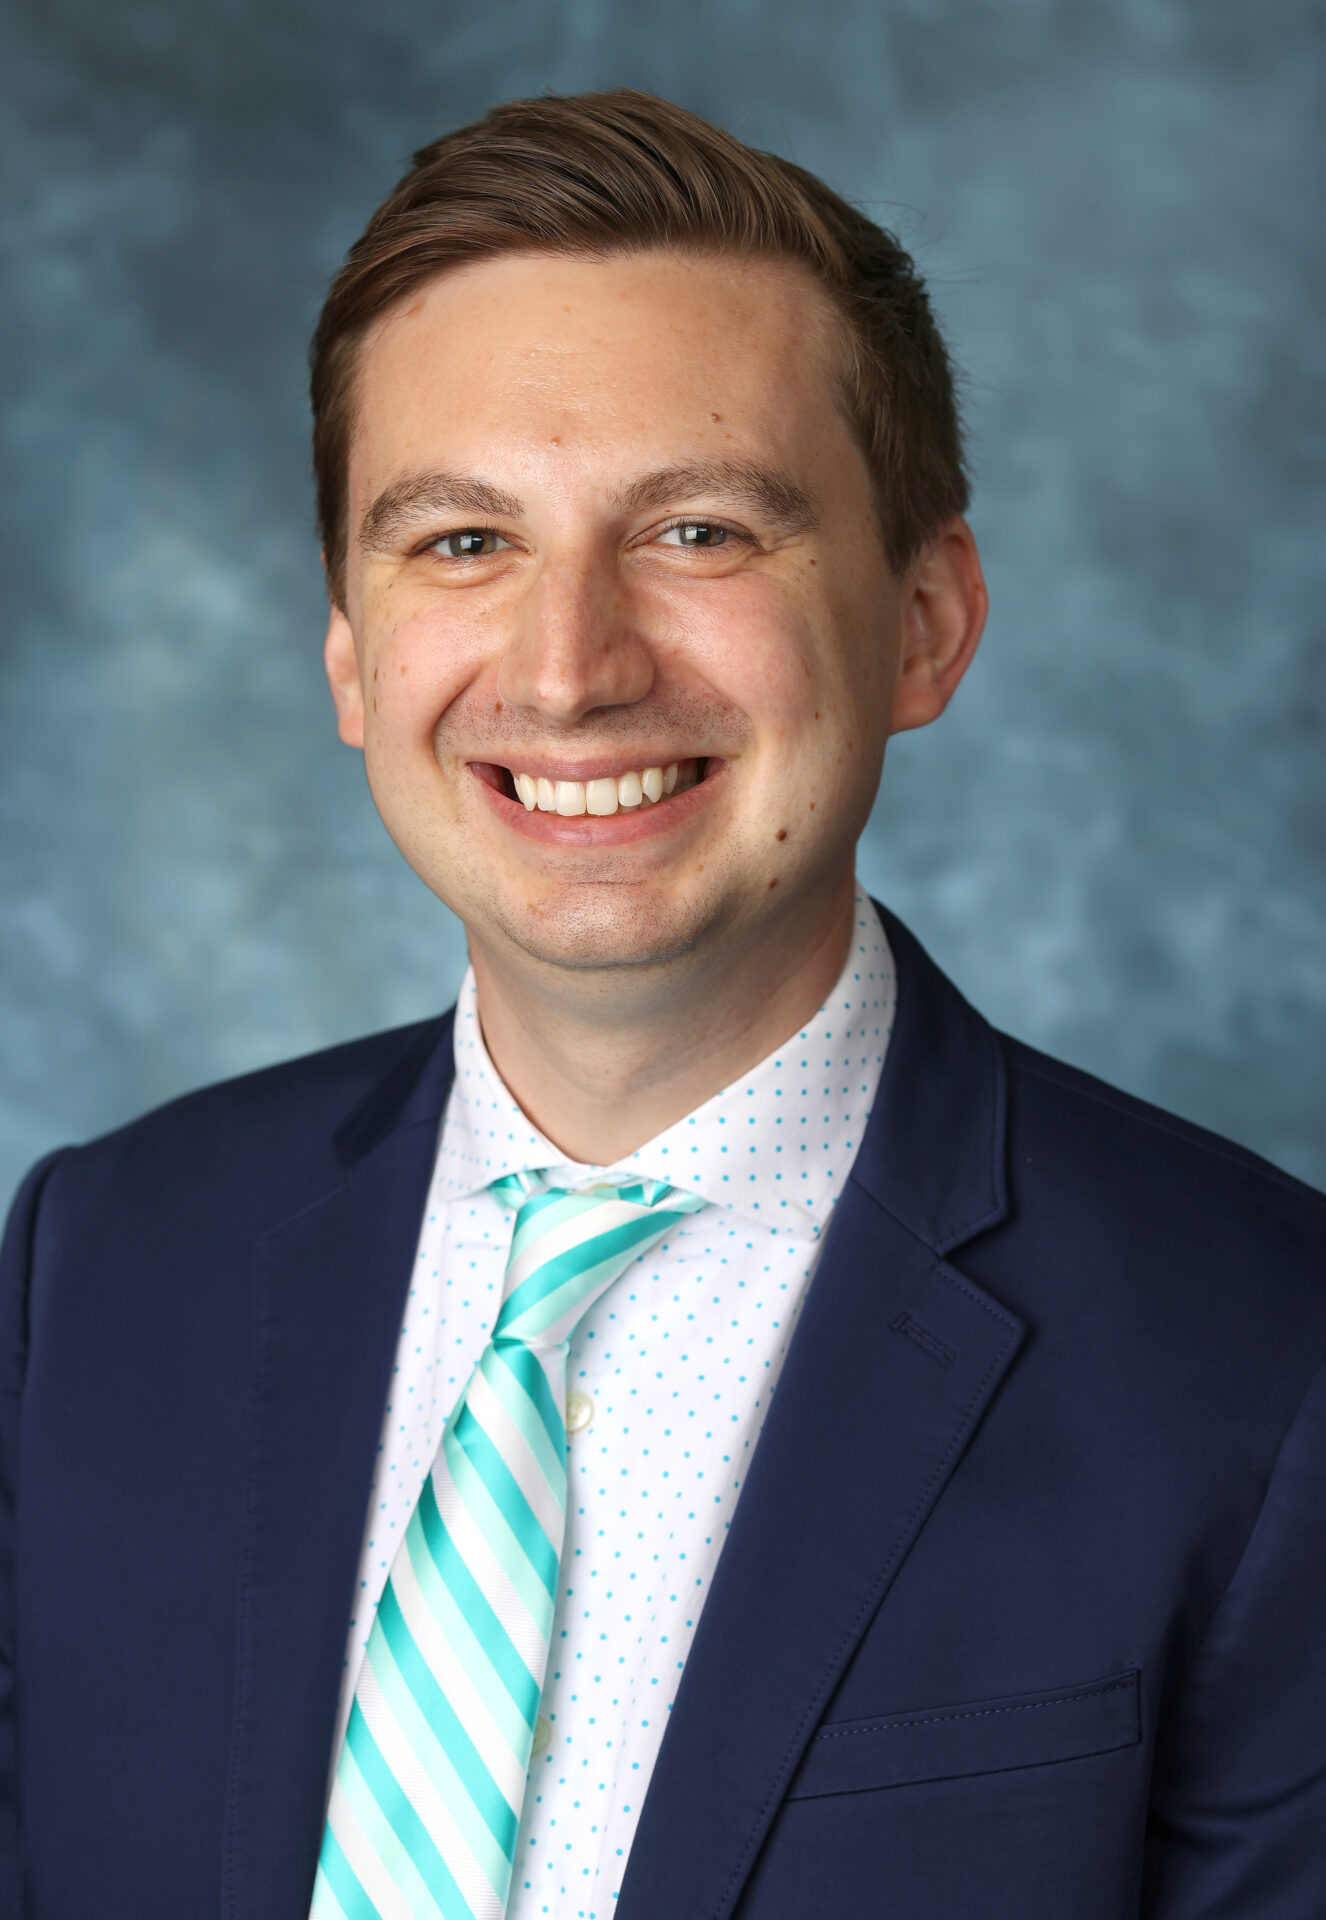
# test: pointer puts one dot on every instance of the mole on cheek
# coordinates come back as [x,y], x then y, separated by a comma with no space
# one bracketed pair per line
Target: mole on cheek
[781,834]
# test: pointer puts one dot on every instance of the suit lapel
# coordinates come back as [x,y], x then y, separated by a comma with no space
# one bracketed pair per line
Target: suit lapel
[329,1287]
[894,1363]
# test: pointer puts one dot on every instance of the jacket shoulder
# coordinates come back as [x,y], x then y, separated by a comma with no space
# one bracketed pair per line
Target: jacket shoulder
[1100,1136]
[260,1142]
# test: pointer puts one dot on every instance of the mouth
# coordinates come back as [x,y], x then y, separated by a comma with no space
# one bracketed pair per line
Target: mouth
[636,790]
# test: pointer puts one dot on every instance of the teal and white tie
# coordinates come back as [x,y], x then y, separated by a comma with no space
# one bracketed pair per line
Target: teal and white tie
[425,1805]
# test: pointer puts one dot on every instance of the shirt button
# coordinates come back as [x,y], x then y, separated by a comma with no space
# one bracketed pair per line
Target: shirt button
[542,1738]
[579,1411]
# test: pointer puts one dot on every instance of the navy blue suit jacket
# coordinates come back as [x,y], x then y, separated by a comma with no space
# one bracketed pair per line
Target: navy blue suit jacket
[1022,1614]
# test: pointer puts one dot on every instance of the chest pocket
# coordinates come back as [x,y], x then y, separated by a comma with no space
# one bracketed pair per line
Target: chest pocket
[986,1736]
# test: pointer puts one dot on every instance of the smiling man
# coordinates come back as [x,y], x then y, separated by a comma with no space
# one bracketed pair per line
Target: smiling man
[618,634]
[707,1426]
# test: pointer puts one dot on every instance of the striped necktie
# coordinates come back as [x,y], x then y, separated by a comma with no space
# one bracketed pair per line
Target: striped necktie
[425,1805]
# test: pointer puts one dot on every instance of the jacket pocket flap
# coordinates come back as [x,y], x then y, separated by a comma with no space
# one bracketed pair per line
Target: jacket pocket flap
[987,1736]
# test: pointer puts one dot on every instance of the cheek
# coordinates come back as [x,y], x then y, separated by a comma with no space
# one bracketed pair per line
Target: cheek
[754,644]
[812,674]
[808,673]
[420,658]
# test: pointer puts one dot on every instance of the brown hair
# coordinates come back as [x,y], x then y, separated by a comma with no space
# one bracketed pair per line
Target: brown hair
[604,173]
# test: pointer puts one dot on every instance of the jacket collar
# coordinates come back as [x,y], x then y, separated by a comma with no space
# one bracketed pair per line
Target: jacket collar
[413,1092]
[935,1154]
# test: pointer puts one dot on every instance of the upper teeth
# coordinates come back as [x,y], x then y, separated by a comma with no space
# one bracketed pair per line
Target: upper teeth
[598,796]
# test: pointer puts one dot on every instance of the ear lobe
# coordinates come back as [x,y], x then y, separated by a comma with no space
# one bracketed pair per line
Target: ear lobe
[339,658]
[943,616]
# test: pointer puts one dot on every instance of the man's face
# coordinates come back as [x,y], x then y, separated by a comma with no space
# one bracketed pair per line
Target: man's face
[608,523]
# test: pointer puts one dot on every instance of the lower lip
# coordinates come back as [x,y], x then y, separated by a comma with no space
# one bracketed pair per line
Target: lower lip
[648,821]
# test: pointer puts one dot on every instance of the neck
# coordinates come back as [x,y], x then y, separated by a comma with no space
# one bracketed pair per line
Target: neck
[599,1071]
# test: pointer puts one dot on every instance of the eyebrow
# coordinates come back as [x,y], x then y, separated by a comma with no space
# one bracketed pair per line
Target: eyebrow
[744,482]
[403,504]
[406,502]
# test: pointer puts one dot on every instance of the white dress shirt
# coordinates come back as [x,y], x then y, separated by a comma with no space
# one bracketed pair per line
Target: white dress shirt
[669,1380]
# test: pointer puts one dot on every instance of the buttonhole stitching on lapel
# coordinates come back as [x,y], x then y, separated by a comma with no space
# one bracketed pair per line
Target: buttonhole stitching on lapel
[928,1342]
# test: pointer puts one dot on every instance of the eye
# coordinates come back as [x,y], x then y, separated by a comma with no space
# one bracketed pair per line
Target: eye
[695,533]
[468,543]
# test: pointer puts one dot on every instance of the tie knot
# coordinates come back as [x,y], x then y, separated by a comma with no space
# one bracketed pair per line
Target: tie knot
[570,1243]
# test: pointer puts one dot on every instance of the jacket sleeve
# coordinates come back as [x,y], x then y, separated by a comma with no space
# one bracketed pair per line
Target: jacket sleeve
[1238,1826]
[15,1267]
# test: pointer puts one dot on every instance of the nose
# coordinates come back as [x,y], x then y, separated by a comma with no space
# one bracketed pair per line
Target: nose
[575,647]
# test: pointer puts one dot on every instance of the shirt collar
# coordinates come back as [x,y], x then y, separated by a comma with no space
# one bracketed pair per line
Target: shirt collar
[776,1146]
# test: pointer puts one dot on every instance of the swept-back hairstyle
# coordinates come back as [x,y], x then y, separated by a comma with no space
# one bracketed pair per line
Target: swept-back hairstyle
[606,173]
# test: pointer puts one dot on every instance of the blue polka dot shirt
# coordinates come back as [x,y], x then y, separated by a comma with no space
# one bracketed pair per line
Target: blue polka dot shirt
[669,1380]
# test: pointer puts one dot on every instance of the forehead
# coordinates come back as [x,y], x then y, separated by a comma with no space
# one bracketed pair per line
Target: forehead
[601,359]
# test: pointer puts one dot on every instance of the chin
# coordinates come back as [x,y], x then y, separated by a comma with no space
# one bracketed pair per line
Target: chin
[594,927]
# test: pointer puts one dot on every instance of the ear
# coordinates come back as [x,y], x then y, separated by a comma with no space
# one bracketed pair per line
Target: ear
[338,656]
[943,614]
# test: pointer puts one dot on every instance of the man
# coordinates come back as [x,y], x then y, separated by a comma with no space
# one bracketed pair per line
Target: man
[710,1427]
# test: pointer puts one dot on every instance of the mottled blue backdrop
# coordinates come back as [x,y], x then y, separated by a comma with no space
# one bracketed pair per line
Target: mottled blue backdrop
[1116,840]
